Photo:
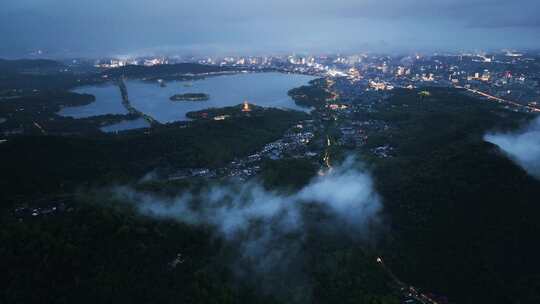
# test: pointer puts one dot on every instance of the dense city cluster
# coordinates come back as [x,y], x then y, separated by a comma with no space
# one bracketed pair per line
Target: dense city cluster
[507,76]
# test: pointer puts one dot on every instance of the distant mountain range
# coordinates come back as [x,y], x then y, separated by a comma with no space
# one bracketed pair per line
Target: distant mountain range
[22,65]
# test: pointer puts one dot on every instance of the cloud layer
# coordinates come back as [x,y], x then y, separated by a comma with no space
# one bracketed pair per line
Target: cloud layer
[210,26]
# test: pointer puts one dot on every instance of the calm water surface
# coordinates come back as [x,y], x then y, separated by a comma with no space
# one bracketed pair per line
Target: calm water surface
[108,101]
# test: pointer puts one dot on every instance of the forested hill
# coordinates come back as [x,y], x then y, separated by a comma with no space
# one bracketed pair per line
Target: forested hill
[164,70]
[463,215]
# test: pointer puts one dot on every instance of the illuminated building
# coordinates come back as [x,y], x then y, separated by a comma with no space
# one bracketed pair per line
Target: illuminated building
[221,117]
[245,107]
[354,73]
[427,77]
[486,76]
[337,107]
[155,61]
[377,86]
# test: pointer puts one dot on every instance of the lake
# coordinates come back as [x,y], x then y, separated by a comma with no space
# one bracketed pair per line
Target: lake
[262,89]
[108,101]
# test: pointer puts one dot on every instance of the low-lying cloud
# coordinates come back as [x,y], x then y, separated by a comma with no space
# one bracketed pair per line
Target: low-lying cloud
[523,146]
[269,230]
[346,193]
[268,227]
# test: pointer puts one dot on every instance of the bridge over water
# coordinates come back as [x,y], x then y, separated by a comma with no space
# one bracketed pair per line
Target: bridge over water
[130,108]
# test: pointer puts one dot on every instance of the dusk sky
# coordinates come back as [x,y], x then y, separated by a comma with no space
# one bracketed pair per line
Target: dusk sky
[125,27]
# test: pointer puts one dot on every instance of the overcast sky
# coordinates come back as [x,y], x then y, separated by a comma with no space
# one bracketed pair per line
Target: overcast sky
[117,27]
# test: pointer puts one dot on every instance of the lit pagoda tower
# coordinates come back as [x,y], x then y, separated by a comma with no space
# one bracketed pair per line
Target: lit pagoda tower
[246,107]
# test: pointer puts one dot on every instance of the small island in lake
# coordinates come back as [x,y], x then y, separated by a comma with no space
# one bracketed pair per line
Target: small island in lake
[190,97]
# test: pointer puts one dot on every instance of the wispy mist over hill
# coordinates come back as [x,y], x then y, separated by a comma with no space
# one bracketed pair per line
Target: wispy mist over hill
[523,146]
[268,227]
[345,193]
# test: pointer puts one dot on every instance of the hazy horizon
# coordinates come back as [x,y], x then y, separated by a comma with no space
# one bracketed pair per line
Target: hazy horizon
[67,28]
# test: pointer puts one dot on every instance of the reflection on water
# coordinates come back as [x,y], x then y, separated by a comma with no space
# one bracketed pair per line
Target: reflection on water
[262,89]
